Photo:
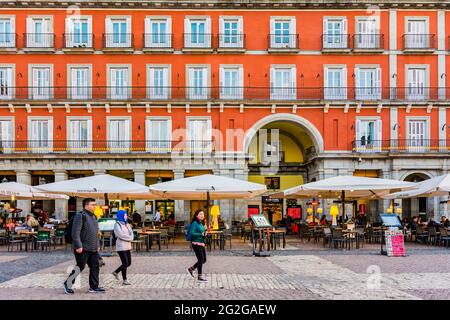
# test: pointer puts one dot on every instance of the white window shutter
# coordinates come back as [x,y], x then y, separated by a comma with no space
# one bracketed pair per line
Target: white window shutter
[69,28]
[358,130]
[272,32]
[344,82]
[166,79]
[294,77]
[378,83]
[325,26]
[293,32]
[208,31]
[221,25]
[13,24]
[148,130]
[272,79]
[89,129]
[378,130]
[50,133]
[126,130]
[344,32]
[221,79]
[108,25]
[325,77]
[357,78]
[147,26]
[187,32]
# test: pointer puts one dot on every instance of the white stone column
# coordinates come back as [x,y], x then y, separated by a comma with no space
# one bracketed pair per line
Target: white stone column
[180,214]
[61,205]
[97,172]
[139,177]
[240,205]
[24,176]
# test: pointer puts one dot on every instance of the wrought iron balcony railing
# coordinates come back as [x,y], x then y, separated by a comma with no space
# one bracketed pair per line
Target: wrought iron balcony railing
[231,40]
[418,41]
[197,40]
[8,40]
[223,93]
[368,41]
[335,41]
[39,40]
[365,145]
[283,41]
[158,41]
[78,40]
[157,147]
[118,41]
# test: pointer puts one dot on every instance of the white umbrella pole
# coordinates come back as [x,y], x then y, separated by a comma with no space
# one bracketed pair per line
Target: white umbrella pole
[343,207]
[207,208]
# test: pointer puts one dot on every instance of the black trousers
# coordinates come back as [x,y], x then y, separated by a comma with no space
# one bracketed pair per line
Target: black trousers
[125,257]
[200,253]
[92,260]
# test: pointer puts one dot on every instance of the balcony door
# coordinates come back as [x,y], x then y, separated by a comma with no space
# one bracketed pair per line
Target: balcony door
[417,134]
[368,135]
[6,136]
[159,135]
[41,135]
[119,135]
[199,135]
[80,135]
[367,37]
[417,34]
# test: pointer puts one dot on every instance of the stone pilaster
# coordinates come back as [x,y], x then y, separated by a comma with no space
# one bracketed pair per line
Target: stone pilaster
[139,177]
[24,176]
[180,213]
[61,205]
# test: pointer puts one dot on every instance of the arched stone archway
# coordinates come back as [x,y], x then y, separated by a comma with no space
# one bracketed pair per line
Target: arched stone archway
[309,128]
[417,205]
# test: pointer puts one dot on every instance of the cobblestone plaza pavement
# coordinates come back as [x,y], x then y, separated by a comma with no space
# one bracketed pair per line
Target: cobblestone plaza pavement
[300,271]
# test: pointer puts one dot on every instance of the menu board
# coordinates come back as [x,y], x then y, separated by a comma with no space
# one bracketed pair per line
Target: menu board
[260,221]
[395,243]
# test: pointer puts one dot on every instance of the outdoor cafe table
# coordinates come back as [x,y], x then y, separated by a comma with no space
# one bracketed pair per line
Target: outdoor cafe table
[150,234]
[351,234]
[27,235]
[272,234]
[216,235]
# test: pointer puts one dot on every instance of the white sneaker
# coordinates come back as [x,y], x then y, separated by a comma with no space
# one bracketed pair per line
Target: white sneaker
[202,278]
[126,283]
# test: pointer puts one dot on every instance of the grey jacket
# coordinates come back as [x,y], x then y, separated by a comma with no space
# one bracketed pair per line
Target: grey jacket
[124,235]
[85,236]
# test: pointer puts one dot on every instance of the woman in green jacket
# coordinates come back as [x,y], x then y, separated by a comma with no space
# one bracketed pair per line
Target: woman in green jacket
[198,234]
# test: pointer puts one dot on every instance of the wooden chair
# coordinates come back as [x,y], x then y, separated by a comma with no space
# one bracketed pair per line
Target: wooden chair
[171,233]
[327,237]
[165,236]
[433,235]
[15,240]
[227,235]
[421,235]
[444,236]
[137,241]
[3,236]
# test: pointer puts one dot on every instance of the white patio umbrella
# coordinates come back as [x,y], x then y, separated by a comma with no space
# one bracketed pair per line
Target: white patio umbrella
[434,187]
[346,187]
[15,190]
[99,187]
[207,187]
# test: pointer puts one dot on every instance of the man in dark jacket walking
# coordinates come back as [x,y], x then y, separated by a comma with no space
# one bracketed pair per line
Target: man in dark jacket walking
[86,245]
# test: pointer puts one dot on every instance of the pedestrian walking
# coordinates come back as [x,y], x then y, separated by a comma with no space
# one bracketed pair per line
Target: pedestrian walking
[124,235]
[198,235]
[83,234]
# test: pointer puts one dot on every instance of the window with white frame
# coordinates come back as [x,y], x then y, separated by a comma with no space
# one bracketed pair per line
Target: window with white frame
[158,32]
[80,82]
[40,134]
[6,135]
[283,32]
[197,32]
[198,82]
[231,32]
[367,83]
[41,82]
[159,134]
[7,32]
[417,134]
[119,82]
[6,82]
[335,83]
[417,82]
[367,33]
[39,32]
[417,36]
[368,133]
[231,82]
[118,32]
[78,32]
[199,134]
[79,134]
[119,135]
[283,82]
[335,33]
[158,82]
